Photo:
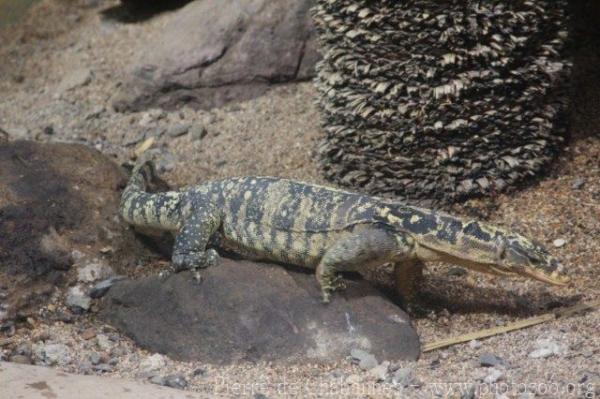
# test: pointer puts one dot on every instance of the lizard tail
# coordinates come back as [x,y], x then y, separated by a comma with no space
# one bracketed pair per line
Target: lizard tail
[141,174]
[140,208]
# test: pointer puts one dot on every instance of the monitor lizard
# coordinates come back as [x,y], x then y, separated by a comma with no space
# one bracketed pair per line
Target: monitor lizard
[326,229]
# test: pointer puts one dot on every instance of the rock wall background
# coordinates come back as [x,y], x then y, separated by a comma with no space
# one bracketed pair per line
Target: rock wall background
[213,52]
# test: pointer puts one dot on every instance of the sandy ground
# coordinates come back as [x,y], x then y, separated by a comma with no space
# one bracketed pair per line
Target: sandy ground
[277,134]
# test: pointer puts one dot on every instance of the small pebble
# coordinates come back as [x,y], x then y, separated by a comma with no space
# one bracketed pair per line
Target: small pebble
[95,358]
[166,163]
[154,362]
[197,132]
[175,381]
[104,342]
[474,344]
[77,299]
[88,333]
[93,270]
[541,353]
[353,379]
[559,242]
[103,367]
[52,354]
[366,360]
[380,372]
[545,348]
[178,130]
[157,379]
[578,184]
[403,376]
[495,375]
[23,349]
[151,116]
[487,359]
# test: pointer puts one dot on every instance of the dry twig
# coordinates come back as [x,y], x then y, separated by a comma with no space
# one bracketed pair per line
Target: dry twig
[517,325]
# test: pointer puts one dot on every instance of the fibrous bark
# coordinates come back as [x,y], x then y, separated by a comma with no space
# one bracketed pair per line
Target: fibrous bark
[440,99]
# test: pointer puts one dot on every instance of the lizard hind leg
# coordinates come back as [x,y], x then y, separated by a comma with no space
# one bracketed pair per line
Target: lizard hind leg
[408,275]
[354,252]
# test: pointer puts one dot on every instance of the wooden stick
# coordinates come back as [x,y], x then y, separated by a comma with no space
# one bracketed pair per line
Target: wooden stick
[517,325]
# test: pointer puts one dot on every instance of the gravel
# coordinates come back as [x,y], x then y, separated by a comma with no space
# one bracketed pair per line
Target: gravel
[197,132]
[52,354]
[546,347]
[366,360]
[95,270]
[175,381]
[495,375]
[403,376]
[153,363]
[380,372]
[487,359]
[276,135]
[178,130]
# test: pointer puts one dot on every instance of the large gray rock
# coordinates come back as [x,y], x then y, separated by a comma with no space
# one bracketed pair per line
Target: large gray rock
[215,51]
[249,311]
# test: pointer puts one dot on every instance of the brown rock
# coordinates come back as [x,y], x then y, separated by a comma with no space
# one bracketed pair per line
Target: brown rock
[56,199]
[250,311]
[212,52]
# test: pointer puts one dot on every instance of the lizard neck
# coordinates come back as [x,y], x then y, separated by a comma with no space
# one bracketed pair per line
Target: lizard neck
[441,237]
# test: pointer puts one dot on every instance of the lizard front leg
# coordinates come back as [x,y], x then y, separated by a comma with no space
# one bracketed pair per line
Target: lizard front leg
[359,250]
[190,250]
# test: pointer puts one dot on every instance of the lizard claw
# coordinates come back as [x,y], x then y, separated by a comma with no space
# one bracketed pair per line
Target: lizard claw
[325,297]
[195,260]
[163,274]
[197,276]
[212,258]
[333,284]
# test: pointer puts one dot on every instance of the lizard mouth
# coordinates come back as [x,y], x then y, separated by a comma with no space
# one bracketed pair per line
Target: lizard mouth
[554,278]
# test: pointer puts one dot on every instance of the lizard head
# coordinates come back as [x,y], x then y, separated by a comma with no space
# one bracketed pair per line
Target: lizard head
[520,255]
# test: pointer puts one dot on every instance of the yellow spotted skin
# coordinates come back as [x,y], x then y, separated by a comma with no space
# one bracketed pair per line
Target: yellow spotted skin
[326,229]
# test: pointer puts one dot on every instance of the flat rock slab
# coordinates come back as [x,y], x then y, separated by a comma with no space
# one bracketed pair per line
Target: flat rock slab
[211,52]
[256,311]
[33,382]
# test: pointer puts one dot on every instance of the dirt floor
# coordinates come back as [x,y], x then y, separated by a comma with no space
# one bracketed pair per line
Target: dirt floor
[277,134]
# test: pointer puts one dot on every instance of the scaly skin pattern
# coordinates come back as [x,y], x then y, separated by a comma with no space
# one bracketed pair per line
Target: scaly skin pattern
[326,229]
